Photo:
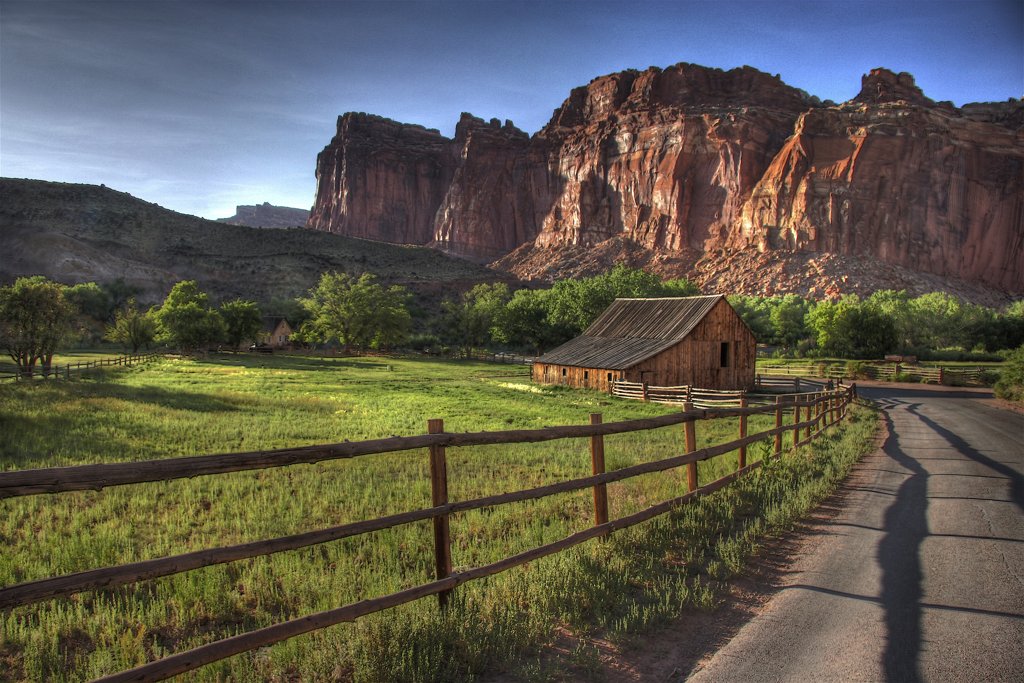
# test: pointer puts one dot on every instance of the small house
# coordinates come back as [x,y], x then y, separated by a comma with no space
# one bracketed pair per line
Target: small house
[699,341]
[276,332]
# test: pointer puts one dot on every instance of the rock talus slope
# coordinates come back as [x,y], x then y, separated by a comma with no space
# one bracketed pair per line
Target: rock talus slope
[689,165]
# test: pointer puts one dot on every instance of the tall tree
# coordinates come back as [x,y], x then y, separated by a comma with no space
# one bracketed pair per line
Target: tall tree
[525,322]
[242,322]
[468,322]
[186,320]
[355,312]
[35,318]
[132,328]
[787,316]
[849,328]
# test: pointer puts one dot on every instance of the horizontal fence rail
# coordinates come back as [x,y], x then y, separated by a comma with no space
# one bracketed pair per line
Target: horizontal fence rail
[810,414]
[679,395]
[65,370]
[889,372]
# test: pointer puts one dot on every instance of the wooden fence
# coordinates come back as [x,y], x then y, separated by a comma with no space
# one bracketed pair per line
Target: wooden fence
[889,372]
[513,358]
[811,414]
[679,395]
[58,371]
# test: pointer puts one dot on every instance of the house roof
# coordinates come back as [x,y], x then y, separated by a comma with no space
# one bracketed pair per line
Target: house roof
[630,331]
[270,322]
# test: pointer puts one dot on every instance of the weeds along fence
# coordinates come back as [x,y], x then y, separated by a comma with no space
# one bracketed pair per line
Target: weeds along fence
[809,415]
[66,370]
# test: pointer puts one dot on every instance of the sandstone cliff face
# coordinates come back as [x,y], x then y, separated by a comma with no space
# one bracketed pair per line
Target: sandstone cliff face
[381,180]
[499,193]
[891,174]
[664,157]
[688,161]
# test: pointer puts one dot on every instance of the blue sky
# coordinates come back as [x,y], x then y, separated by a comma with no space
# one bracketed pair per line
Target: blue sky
[200,106]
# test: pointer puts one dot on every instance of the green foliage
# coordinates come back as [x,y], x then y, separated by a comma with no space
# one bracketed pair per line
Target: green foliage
[91,304]
[525,322]
[1011,383]
[186,321]
[132,328]
[356,312]
[849,328]
[756,313]
[118,293]
[242,322]
[35,319]
[468,323]
[575,303]
[787,318]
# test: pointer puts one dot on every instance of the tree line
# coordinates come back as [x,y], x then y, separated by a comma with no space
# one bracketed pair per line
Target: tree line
[358,313]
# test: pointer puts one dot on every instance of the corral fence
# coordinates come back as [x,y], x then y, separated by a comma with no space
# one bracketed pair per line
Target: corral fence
[809,415]
[513,358]
[678,395]
[877,371]
[66,370]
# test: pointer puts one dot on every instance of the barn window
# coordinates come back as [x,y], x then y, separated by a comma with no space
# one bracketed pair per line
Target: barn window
[586,375]
[563,372]
[609,377]
[723,360]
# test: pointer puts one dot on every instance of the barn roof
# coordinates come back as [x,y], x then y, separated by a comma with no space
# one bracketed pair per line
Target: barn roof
[631,331]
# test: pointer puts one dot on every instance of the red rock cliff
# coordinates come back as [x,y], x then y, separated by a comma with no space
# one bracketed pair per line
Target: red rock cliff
[686,161]
[890,174]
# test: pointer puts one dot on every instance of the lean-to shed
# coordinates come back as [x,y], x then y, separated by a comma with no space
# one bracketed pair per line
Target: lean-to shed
[697,340]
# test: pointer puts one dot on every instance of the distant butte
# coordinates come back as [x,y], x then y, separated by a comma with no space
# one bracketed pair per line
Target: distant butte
[688,169]
[267,215]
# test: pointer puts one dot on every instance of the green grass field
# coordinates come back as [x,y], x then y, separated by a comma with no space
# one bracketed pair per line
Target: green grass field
[239,403]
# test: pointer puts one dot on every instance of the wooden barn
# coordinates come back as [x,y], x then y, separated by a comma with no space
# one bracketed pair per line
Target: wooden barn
[698,340]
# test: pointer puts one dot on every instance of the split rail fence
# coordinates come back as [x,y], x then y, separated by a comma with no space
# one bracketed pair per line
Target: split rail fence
[809,415]
[678,395]
[886,372]
[59,371]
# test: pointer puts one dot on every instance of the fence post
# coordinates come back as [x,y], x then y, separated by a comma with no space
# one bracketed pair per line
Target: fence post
[439,496]
[743,433]
[810,409]
[796,419]
[778,425]
[597,467]
[691,445]
[796,385]
[643,387]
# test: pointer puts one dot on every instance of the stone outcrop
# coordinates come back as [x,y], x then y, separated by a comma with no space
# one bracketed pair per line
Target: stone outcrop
[688,161]
[894,176]
[266,215]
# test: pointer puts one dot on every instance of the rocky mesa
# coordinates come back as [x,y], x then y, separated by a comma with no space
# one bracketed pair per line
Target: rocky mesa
[682,166]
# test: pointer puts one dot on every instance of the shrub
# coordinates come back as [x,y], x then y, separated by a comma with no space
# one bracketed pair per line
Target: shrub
[856,369]
[1011,384]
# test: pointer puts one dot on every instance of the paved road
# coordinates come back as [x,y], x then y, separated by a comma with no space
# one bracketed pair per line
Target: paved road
[920,576]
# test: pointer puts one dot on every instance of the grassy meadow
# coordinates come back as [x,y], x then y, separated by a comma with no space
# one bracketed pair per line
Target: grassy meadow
[231,403]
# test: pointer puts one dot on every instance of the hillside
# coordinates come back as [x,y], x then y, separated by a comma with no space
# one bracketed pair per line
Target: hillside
[80,233]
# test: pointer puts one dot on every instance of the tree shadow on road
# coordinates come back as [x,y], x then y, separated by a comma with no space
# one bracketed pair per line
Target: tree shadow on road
[906,526]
